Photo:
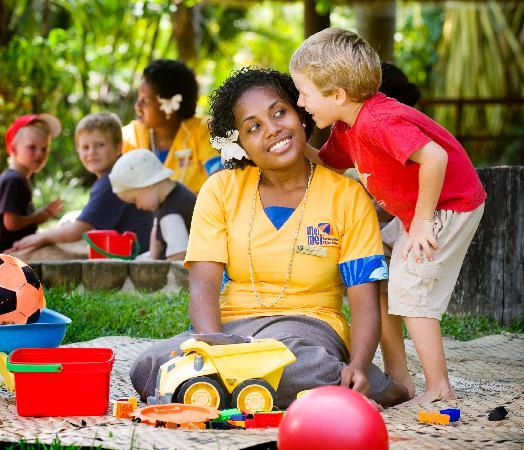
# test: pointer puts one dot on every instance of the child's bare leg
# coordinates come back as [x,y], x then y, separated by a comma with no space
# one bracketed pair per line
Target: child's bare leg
[427,338]
[392,345]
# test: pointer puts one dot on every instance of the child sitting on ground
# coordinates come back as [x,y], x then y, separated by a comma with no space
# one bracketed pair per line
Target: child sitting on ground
[417,171]
[28,141]
[98,139]
[139,177]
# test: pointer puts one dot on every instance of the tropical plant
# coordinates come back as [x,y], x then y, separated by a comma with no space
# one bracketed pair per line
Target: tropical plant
[480,56]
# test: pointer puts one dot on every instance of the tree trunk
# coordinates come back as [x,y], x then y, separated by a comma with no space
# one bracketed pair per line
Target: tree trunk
[314,22]
[185,32]
[376,24]
[5,17]
[491,282]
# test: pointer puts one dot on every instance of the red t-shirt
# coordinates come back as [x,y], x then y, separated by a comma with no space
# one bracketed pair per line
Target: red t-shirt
[384,135]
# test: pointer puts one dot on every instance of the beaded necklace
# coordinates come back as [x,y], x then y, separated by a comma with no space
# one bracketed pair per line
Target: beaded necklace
[293,249]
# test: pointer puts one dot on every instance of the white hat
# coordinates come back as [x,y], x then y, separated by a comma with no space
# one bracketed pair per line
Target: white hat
[137,169]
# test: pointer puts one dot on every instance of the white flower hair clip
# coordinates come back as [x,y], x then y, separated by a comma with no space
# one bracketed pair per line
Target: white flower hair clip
[168,105]
[228,147]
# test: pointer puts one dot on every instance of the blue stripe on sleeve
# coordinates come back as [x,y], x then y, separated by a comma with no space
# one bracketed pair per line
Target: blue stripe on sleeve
[213,165]
[225,280]
[364,270]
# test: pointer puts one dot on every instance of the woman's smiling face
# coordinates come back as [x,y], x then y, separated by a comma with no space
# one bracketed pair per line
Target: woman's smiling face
[271,131]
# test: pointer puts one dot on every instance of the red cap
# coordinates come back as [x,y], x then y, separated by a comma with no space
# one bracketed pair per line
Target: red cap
[52,122]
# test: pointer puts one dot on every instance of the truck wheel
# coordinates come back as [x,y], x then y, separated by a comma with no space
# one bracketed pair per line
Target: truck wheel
[254,395]
[202,391]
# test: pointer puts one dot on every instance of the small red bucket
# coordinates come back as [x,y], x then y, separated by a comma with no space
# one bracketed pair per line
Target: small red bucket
[112,244]
[61,381]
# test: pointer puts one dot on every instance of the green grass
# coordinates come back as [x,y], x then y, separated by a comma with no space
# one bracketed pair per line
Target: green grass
[162,315]
[466,327]
[102,313]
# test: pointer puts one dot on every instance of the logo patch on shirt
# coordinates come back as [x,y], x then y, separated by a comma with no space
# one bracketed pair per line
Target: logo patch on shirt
[324,227]
[322,234]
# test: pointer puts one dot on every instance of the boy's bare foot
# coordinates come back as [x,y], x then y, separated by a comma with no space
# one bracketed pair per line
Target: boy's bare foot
[430,397]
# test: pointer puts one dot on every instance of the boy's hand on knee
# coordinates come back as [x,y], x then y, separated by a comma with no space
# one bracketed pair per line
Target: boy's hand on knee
[356,379]
[420,237]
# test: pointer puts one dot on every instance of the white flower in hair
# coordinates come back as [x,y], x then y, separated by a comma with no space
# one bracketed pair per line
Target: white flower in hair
[228,147]
[168,105]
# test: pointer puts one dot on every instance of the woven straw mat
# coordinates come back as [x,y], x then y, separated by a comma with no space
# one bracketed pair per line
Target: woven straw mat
[485,373]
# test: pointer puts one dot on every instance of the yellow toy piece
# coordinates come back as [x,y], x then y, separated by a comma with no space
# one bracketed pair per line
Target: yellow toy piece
[8,377]
[433,417]
[207,375]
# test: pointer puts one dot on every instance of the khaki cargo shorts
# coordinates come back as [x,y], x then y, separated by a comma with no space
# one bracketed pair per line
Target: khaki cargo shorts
[424,289]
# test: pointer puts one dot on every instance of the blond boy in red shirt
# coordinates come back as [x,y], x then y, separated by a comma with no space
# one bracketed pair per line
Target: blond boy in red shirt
[417,171]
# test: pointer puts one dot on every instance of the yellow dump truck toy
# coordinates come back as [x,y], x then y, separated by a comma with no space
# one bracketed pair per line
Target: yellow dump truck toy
[243,376]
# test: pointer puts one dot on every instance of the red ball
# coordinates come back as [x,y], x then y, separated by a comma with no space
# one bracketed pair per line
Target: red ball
[334,418]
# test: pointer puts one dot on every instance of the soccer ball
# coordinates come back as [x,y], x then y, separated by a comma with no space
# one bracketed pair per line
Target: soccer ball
[21,293]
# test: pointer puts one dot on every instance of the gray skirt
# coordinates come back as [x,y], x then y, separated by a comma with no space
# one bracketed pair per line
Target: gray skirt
[320,352]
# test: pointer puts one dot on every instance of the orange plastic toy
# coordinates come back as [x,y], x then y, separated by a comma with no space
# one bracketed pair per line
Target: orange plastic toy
[433,417]
[123,407]
[175,415]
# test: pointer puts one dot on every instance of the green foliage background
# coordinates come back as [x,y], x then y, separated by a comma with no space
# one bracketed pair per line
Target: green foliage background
[73,57]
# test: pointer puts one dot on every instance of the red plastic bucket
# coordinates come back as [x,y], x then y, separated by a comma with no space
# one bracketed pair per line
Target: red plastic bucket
[111,244]
[61,381]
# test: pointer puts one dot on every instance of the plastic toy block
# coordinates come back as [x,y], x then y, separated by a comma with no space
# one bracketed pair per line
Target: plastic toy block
[433,417]
[223,426]
[497,414]
[226,414]
[238,417]
[237,423]
[264,420]
[123,407]
[453,413]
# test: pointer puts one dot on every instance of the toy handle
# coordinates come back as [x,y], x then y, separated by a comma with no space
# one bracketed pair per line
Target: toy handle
[34,368]
[8,377]
[96,248]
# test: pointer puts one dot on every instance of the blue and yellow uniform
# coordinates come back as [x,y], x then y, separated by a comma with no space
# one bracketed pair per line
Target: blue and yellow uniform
[338,246]
[191,156]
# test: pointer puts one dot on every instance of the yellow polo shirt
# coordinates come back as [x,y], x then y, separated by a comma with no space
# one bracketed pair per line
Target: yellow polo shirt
[338,245]
[191,156]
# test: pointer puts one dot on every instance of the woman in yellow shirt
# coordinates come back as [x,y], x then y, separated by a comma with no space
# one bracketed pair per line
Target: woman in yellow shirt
[167,125]
[274,243]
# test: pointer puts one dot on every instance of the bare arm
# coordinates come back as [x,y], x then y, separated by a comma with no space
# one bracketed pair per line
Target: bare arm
[205,279]
[15,222]
[311,153]
[155,246]
[70,232]
[433,161]
[176,256]
[365,333]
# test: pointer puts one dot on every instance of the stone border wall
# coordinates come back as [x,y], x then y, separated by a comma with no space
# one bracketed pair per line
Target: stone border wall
[113,274]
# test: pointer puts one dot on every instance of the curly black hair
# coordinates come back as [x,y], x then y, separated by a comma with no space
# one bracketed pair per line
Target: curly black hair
[224,99]
[169,77]
[395,84]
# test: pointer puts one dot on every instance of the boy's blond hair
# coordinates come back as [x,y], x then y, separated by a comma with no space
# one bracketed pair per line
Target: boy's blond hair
[336,58]
[106,122]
